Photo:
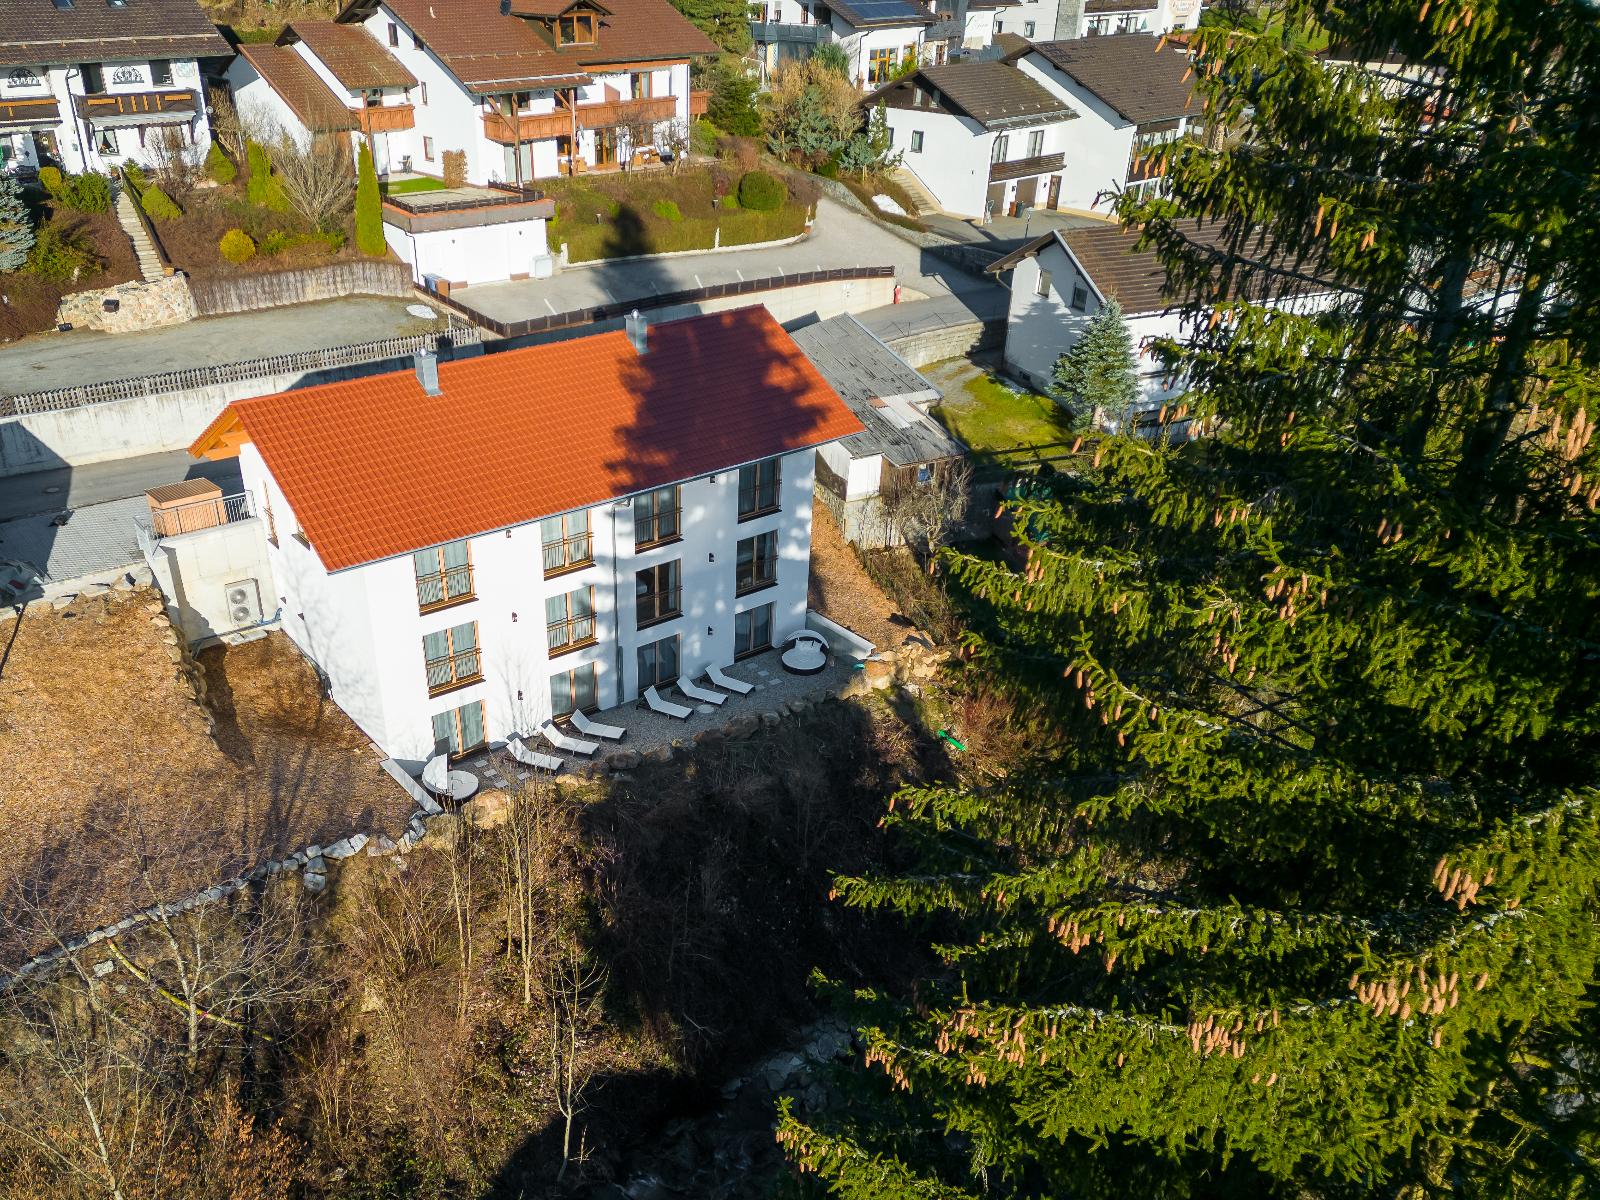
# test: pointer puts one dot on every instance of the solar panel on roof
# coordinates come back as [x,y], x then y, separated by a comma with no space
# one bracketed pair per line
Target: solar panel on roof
[887,10]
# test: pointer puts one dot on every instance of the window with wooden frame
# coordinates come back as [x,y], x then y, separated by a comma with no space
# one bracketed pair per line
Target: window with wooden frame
[451,658]
[880,65]
[1041,286]
[658,591]
[575,29]
[639,85]
[459,731]
[758,489]
[1001,148]
[756,564]
[1080,298]
[1036,143]
[444,575]
[656,517]
[572,690]
[658,663]
[160,72]
[752,631]
[394,34]
[569,620]
[567,541]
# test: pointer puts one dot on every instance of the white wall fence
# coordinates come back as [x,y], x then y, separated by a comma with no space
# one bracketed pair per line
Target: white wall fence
[149,414]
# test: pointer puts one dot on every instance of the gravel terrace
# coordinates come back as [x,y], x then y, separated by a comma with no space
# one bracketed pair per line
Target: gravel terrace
[841,589]
[113,792]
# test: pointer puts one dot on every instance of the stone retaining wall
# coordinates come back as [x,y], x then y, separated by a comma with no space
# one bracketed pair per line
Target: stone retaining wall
[139,306]
[952,341]
[246,292]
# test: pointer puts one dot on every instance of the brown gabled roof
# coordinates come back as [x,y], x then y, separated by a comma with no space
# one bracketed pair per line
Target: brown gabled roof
[1011,43]
[351,53]
[1137,279]
[993,93]
[36,33]
[298,86]
[493,53]
[1128,72]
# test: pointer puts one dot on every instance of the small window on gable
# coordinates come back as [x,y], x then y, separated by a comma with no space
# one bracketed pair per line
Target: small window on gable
[394,34]
[1042,287]
[416,41]
[1027,29]
[916,141]
[1080,298]
[575,29]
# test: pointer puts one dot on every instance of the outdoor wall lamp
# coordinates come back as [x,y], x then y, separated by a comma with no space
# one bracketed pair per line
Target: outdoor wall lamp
[709,631]
[712,557]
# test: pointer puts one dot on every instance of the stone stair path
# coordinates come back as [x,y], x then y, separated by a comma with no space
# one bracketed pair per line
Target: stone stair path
[925,200]
[150,268]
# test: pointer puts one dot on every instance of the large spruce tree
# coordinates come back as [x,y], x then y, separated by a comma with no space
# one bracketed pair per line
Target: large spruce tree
[1300,896]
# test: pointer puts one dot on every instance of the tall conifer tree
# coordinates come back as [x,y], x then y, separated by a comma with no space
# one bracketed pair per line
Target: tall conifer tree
[1301,898]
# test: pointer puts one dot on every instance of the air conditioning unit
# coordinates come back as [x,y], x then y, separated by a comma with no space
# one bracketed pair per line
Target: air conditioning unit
[244,602]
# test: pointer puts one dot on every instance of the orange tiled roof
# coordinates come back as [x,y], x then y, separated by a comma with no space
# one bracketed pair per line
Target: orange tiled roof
[375,468]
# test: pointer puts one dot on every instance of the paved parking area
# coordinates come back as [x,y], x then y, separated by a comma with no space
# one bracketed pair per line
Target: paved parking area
[56,360]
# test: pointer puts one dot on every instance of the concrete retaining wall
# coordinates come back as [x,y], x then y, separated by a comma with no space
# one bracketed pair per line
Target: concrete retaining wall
[953,341]
[246,293]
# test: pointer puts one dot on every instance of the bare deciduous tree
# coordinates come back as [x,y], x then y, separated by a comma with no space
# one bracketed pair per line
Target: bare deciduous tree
[317,176]
[574,987]
[176,162]
[226,125]
[924,512]
[672,137]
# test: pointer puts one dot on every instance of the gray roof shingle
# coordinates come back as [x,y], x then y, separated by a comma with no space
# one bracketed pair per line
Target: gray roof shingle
[36,32]
[1128,72]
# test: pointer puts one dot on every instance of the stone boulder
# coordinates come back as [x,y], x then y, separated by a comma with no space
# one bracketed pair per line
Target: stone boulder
[489,809]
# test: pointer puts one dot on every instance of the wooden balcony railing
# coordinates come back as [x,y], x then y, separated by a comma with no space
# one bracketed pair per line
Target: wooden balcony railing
[533,127]
[151,105]
[698,103]
[609,113]
[41,110]
[385,118]
[606,114]
[1023,167]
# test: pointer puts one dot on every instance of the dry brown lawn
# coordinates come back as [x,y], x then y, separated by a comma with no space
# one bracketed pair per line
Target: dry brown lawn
[841,589]
[113,791]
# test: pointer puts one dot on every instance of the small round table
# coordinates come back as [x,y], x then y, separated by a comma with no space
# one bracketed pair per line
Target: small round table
[462,785]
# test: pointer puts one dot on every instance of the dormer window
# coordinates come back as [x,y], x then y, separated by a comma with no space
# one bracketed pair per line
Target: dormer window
[575,29]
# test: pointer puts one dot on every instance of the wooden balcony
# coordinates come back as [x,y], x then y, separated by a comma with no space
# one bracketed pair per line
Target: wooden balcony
[606,114]
[41,111]
[385,118]
[1023,167]
[698,103]
[136,108]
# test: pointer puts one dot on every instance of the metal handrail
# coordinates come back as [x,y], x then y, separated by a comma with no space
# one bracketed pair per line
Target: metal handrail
[569,552]
[197,515]
[647,530]
[443,587]
[418,207]
[661,606]
[572,631]
[451,669]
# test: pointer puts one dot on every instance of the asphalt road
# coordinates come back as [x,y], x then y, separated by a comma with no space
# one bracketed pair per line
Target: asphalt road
[78,487]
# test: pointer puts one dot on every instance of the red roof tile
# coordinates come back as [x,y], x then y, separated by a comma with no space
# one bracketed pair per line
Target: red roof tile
[375,468]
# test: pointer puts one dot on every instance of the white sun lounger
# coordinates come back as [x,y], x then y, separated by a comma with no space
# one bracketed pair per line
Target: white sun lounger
[689,689]
[657,704]
[532,758]
[728,683]
[594,729]
[561,741]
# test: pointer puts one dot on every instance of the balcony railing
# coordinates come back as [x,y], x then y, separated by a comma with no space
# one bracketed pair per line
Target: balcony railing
[609,113]
[698,103]
[756,575]
[450,586]
[385,118]
[568,554]
[571,633]
[767,32]
[202,514]
[1020,168]
[655,607]
[605,114]
[665,525]
[453,670]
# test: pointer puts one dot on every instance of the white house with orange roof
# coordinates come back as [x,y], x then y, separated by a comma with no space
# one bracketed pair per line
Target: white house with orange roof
[466,553]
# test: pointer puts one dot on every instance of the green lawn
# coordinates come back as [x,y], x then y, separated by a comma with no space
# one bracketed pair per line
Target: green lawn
[401,186]
[992,416]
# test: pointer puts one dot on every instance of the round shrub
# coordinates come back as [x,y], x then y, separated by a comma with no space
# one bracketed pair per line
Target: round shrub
[50,179]
[237,246]
[159,205]
[276,242]
[219,167]
[762,192]
[61,254]
[668,210]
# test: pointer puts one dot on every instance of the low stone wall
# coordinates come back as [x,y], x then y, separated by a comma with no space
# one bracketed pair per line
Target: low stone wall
[139,306]
[246,293]
[835,190]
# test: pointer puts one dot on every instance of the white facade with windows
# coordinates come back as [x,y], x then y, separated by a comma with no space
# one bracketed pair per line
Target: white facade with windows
[485,638]
[876,41]
[96,116]
[1060,20]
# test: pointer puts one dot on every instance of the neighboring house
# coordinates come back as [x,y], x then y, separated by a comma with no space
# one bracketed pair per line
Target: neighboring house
[963,25]
[1063,20]
[984,137]
[1131,97]
[87,84]
[321,77]
[900,443]
[479,545]
[458,237]
[528,89]
[877,35]
[1059,280]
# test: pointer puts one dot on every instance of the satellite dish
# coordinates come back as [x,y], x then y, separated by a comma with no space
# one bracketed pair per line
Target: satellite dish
[422,312]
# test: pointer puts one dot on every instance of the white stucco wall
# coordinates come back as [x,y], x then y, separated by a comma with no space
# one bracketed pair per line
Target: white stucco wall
[259,107]
[480,254]
[362,626]
[77,145]
[197,569]
[1098,143]
[954,161]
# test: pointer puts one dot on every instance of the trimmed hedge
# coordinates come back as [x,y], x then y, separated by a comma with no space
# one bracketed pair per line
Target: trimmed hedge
[219,167]
[159,205]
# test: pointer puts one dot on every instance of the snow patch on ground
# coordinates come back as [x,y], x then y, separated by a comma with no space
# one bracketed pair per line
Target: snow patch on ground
[885,204]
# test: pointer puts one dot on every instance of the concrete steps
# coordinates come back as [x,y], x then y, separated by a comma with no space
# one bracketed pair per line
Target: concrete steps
[925,200]
[144,249]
